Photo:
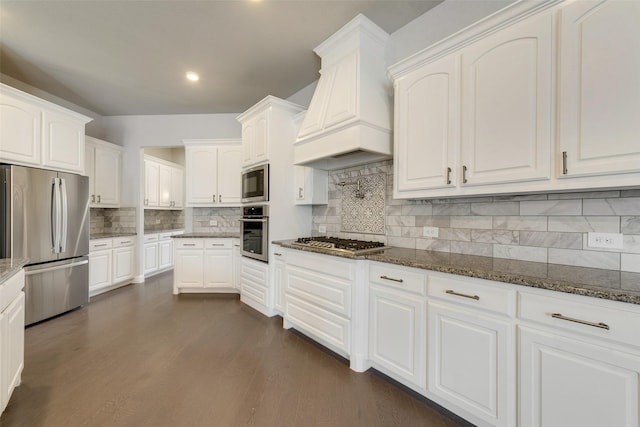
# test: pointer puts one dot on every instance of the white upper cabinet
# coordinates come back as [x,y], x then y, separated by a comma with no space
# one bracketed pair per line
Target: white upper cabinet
[262,132]
[311,186]
[213,172]
[39,133]
[427,123]
[20,130]
[599,87]
[103,165]
[506,105]
[255,140]
[164,184]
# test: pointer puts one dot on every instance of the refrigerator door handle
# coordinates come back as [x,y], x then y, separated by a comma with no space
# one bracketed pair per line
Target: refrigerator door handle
[65,210]
[55,216]
[57,267]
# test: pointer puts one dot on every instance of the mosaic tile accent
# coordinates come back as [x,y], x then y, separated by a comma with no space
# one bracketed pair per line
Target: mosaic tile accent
[366,215]
[112,221]
[159,220]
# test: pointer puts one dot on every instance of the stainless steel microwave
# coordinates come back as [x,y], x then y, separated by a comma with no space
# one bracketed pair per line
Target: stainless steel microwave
[255,184]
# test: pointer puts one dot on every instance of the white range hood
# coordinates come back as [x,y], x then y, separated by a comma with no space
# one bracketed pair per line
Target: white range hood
[349,121]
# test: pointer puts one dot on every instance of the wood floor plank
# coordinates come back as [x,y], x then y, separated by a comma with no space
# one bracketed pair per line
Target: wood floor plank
[140,356]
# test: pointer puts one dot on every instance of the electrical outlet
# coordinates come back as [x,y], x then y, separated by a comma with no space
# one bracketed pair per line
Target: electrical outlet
[322,228]
[157,221]
[213,222]
[605,240]
[430,231]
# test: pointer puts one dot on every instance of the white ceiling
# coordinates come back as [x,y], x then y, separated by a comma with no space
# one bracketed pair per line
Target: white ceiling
[129,57]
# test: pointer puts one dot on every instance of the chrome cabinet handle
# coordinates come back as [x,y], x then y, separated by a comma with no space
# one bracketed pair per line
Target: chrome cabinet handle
[213,198]
[99,198]
[392,279]
[464,174]
[217,244]
[451,292]
[277,254]
[300,193]
[188,244]
[448,176]
[219,198]
[582,322]
[98,246]
[93,198]
[564,163]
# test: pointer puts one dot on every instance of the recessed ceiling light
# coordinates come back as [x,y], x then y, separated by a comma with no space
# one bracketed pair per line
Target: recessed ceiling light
[193,76]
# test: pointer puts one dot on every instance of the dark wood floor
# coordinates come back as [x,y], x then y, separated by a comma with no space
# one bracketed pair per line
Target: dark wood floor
[139,356]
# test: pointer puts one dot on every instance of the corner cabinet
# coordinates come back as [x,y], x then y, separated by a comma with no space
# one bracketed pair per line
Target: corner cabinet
[103,162]
[599,83]
[213,173]
[35,132]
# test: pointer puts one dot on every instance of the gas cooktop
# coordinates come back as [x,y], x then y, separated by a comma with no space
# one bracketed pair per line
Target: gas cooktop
[355,247]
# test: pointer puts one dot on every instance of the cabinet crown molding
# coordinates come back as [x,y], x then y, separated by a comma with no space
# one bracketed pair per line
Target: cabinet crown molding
[269,101]
[497,21]
[223,141]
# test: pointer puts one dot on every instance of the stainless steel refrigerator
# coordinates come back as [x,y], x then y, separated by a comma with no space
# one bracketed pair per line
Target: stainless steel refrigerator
[45,217]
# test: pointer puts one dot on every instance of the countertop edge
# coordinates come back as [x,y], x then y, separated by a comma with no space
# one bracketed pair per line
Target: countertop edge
[10,266]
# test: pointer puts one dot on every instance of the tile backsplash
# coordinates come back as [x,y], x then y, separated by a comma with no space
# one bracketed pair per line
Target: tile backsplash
[107,220]
[226,220]
[549,228]
[159,220]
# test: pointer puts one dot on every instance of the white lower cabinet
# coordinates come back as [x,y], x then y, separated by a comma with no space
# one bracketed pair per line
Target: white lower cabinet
[579,362]
[397,323]
[158,252]
[111,263]
[279,279]
[150,254]
[12,308]
[204,265]
[254,285]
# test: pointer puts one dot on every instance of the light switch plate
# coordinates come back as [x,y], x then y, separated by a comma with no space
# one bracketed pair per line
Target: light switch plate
[322,228]
[430,231]
[213,222]
[605,240]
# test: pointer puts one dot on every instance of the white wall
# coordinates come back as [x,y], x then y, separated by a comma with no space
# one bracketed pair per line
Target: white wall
[137,132]
[442,21]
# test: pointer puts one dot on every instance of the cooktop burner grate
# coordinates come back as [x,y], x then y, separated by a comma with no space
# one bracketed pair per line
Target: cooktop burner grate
[338,244]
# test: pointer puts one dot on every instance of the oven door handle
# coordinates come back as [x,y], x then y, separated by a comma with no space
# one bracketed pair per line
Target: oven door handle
[252,220]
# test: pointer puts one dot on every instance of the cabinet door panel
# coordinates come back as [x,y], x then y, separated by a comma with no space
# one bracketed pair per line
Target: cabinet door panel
[12,356]
[151,183]
[397,334]
[427,123]
[106,175]
[165,254]
[261,140]
[218,268]
[63,142]
[123,264]
[229,181]
[599,86]
[177,187]
[150,257]
[189,268]
[506,98]
[100,269]
[571,383]
[248,137]
[469,362]
[202,176]
[20,130]
[164,186]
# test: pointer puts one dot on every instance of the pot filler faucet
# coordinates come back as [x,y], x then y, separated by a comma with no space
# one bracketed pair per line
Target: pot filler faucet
[359,194]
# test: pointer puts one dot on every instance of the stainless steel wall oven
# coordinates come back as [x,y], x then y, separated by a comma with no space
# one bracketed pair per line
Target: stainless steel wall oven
[254,230]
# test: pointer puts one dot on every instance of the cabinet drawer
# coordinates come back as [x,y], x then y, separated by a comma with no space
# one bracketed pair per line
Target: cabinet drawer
[321,290]
[119,242]
[619,323]
[189,243]
[11,289]
[328,327]
[338,267]
[150,238]
[218,244]
[396,277]
[100,244]
[473,292]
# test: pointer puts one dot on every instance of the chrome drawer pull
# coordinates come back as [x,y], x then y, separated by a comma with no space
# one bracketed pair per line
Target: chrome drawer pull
[583,322]
[217,244]
[392,279]
[98,246]
[188,244]
[277,254]
[450,292]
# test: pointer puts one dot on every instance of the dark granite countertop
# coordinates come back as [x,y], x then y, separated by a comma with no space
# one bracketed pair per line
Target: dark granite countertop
[207,236]
[560,278]
[10,266]
[109,235]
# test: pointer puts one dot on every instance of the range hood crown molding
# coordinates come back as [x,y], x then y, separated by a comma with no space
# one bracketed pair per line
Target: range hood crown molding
[270,100]
[351,36]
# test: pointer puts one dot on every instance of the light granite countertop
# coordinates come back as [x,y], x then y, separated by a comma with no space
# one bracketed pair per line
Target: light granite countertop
[109,235]
[207,236]
[162,231]
[10,266]
[560,278]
